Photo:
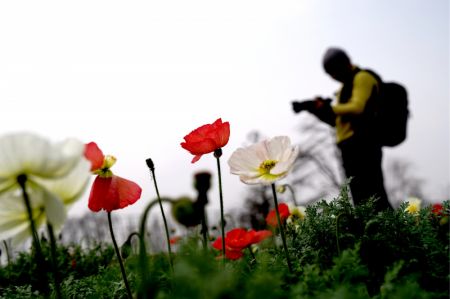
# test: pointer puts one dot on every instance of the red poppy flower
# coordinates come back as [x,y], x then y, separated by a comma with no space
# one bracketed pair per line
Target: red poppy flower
[174,240]
[238,239]
[109,192]
[206,139]
[271,218]
[437,209]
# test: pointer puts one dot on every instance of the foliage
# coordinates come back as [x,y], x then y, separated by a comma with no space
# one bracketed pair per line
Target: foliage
[338,251]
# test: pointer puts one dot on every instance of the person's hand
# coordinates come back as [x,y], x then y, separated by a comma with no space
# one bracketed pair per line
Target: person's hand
[320,103]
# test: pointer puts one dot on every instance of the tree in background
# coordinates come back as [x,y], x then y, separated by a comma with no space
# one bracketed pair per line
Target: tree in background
[318,174]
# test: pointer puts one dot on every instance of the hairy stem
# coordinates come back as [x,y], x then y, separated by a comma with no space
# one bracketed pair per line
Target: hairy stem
[116,248]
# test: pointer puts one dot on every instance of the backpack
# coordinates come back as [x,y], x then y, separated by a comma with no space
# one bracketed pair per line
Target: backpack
[391,112]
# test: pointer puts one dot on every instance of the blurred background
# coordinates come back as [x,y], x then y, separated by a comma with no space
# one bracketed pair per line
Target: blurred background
[136,77]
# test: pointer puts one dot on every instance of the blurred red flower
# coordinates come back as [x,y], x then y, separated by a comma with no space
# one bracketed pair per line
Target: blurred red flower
[437,209]
[238,239]
[174,240]
[206,139]
[73,264]
[109,192]
[271,218]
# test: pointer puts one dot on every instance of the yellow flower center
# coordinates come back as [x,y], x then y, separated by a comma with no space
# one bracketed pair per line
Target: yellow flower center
[266,166]
[413,208]
[105,171]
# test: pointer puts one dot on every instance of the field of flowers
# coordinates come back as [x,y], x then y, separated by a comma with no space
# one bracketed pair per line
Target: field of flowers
[325,250]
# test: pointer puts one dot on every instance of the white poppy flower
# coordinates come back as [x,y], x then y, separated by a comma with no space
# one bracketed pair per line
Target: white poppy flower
[34,156]
[264,162]
[56,176]
[297,212]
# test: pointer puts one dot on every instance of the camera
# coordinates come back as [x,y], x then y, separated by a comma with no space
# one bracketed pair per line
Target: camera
[305,105]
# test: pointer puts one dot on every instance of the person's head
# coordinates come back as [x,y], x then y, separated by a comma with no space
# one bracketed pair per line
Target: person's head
[337,64]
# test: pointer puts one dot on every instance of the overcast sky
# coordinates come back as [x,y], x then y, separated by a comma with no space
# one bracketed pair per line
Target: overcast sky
[137,76]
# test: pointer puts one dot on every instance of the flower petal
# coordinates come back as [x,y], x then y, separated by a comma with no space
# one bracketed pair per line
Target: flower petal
[196,158]
[234,254]
[285,165]
[99,197]
[217,244]
[266,179]
[113,193]
[70,187]
[222,131]
[54,210]
[244,161]
[271,218]
[95,155]
[277,146]
[14,221]
[258,236]
[204,146]
[207,138]
[237,239]
[250,163]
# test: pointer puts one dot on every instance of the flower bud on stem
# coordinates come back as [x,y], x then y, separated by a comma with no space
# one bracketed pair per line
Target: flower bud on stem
[151,166]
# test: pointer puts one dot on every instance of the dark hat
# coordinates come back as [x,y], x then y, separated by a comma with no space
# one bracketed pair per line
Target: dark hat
[335,57]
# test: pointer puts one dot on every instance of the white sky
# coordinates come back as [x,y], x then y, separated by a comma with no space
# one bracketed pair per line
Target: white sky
[137,76]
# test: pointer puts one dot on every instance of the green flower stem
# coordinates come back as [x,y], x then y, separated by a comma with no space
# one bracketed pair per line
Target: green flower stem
[8,256]
[293,194]
[280,226]
[143,260]
[22,179]
[132,235]
[42,283]
[251,253]
[337,234]
[204,230]
[217,154]
[51,234]
[122,268]
[152,170]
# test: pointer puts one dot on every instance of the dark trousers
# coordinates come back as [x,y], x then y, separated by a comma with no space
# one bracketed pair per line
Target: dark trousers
[362,162]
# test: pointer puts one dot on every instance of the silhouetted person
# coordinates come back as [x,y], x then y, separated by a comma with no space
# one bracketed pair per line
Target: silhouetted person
[351,116]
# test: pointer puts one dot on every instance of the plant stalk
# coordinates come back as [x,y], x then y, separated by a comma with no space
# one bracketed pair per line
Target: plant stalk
[217,154]
[56,280]
[42,282]
[116,248]
[166,228]
[280,226]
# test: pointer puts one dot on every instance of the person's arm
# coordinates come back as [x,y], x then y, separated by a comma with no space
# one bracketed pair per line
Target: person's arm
[363,85]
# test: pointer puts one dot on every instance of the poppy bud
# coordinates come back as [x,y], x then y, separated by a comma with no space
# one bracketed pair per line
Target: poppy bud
[218,153]
[150,164]
[185,212]
[202,182]
[126,249]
